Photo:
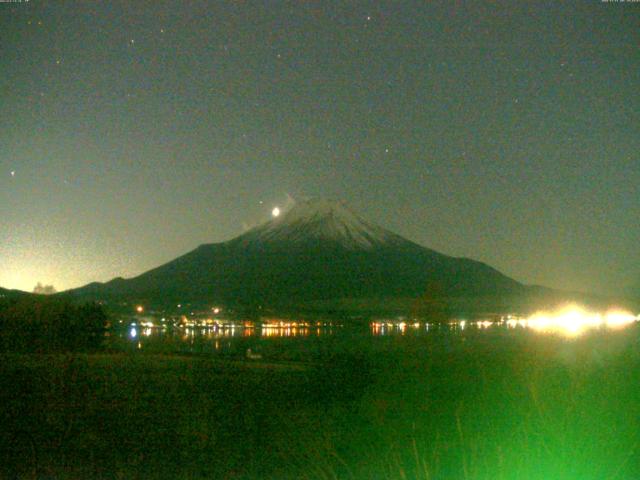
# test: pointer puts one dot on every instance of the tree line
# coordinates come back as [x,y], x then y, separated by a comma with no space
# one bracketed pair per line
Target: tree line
[41,325]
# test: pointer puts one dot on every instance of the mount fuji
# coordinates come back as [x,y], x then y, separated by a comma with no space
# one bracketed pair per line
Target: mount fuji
[317,253]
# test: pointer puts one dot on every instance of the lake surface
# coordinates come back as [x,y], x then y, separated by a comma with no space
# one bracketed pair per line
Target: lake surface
[298,341]
[520,399]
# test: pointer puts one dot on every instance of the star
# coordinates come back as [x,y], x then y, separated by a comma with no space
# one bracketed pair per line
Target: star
[13,173]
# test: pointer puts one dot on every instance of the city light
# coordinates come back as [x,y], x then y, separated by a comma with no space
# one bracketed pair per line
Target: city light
[573,320]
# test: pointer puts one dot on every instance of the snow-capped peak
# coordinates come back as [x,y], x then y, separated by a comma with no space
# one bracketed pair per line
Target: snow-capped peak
[325,220]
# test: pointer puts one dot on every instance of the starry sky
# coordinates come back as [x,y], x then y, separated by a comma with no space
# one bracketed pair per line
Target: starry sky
[133,131]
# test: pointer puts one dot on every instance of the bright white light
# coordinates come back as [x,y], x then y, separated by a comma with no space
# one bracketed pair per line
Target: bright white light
[573,320]
[275,212]
[133,333]
[618,318]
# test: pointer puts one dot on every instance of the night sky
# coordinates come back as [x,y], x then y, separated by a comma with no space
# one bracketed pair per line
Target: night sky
[508,132]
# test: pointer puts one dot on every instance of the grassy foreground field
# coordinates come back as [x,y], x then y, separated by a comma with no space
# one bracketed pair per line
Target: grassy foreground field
[476,406]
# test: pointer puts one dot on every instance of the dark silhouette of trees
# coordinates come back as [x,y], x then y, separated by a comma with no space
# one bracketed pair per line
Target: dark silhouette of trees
[38,324]
[44,289]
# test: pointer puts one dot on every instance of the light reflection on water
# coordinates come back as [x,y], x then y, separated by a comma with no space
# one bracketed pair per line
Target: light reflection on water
[569,321]
[197,334]
[568,325]
[283,337]
[247,332]
[238,340]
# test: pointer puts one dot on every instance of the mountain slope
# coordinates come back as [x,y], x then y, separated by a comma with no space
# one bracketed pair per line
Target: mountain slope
[318,250]
[322,221]
[4,293]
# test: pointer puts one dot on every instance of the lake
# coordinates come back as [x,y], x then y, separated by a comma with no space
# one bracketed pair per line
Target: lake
[520,399]
[292,340]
